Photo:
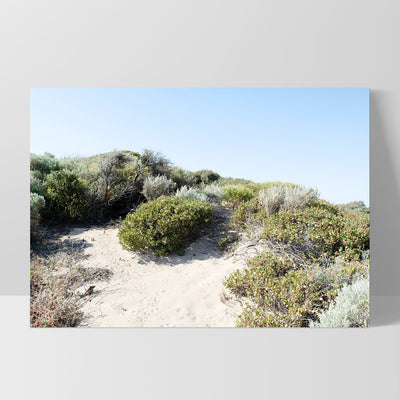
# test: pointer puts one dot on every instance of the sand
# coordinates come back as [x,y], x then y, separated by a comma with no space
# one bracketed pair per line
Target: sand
[149,291]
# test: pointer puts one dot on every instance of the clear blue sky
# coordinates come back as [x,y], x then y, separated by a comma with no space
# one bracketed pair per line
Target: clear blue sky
[313,137]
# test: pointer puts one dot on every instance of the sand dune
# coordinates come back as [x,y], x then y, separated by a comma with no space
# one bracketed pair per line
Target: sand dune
[149,291]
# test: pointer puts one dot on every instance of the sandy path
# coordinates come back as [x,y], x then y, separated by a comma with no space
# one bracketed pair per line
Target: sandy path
[146,291]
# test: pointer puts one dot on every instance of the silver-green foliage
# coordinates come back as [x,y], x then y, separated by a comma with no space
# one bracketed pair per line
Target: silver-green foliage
[44,164]
[286,198]
[36,184]
[156,186]
[191,193]
[350,308]
[37,202]
[213,192]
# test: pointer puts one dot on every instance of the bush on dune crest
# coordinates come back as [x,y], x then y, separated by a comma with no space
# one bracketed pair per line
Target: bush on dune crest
[165,225]
[317,250]
[286,198]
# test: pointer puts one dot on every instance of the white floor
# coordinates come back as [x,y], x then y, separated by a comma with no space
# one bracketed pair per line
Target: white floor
[200,363]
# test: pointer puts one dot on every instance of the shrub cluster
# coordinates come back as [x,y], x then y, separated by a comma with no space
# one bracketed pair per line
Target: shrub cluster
[98,187]
[248,213]
[330,228]
[164,225]
[236,194]
[56,191]
[357,207]
[65,195]
[44,164]
[316,250]
[205,177]
[279,295]
[182,177]
[112,184]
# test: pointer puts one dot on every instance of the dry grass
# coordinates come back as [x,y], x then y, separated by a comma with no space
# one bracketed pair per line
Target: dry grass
[55,278]
[286,198]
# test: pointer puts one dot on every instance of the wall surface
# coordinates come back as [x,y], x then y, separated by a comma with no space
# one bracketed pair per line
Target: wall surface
[218,43]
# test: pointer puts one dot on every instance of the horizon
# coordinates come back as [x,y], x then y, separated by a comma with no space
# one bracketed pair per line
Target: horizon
[238,133]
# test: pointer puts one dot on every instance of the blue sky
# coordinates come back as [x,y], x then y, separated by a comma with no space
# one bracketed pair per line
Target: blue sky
[313,137]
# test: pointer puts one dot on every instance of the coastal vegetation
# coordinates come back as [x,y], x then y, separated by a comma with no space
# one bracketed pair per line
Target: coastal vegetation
[312,271]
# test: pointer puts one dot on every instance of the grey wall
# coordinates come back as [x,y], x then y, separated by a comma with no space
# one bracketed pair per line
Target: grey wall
[200,44]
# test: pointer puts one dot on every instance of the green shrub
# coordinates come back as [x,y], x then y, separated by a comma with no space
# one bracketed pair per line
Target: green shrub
[247,212]
[233,181]
[156,186]
[224,243]
[278,295]
[350,308]
[357,207]
[281,295]
[44,164]
[330,228]
[205,176]
[182,177]
[71,164]
[164,225]
[235,194]
[37,203]
[65,196]
[190,193]
[36,184]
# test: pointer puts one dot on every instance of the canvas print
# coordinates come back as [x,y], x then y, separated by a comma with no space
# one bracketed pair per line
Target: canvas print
[199,207]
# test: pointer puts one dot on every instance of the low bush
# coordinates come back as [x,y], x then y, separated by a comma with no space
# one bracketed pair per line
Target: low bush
[164,225]
[36,184]
[330,228]
[44,164]
[286,197]
[65,196]
[182,177]
[156,186]
[350,308]
[233,181]
[205,176]
[247,213]
[191,193]
[357,207]
[280,295]
[235,194]
[225,242]
[37,203]
[213,192]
